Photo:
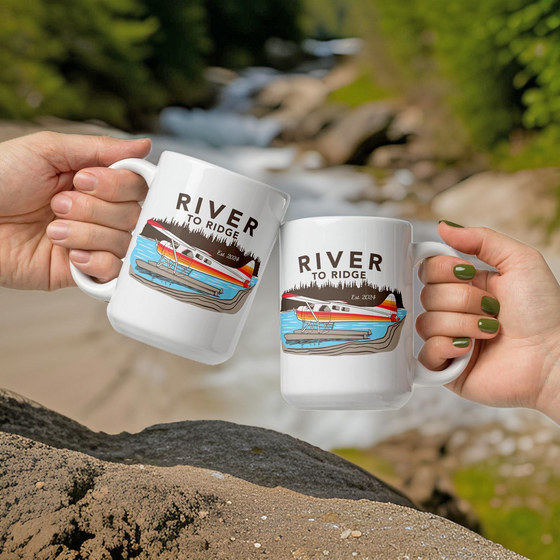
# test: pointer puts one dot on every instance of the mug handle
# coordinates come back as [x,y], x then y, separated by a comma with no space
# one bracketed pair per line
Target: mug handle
[422,375]
[86,283]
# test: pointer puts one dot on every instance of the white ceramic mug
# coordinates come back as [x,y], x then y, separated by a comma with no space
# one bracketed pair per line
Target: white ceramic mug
[198,251]
[346,313]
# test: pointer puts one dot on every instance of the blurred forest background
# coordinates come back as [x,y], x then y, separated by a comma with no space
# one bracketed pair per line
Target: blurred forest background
[120,60]
[464,125]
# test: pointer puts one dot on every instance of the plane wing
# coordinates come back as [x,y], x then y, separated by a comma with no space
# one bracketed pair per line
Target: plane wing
[381,308]
[296,297]
[172,236]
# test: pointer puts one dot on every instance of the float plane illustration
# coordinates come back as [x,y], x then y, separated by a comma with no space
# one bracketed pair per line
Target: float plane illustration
[178,259]
[319,316]
[326,311]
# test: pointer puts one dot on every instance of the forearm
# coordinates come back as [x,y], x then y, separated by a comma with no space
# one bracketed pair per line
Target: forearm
[549,399]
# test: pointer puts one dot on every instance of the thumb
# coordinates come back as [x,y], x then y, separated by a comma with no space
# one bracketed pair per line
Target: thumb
[495,249]
[72,152]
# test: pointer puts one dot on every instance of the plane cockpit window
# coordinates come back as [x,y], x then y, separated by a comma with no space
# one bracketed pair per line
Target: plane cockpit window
[345,309]
[336,308]
[207,261]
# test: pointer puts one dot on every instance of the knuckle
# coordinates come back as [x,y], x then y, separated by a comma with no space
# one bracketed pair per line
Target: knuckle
[424,297]
[104,261]
[46,136]
[123,243]
[421,322]
[427,296]
[535,255]
[89,236]
[438,345]
[113,180]
[88,208]
[442,268]
[464,323]
[422,271]
[133,215]
[102,140]
[465,296]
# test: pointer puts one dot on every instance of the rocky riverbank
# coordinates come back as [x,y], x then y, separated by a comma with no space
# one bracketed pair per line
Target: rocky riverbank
[237,491]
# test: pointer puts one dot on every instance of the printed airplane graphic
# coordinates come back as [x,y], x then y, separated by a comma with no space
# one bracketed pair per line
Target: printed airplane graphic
[321,311]
[178,251]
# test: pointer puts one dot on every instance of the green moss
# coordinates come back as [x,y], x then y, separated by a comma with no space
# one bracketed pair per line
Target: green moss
[522,516]
[360,91]
[369,462]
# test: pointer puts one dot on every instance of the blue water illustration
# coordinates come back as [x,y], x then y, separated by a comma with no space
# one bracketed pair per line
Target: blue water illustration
[146,250]
[289,323]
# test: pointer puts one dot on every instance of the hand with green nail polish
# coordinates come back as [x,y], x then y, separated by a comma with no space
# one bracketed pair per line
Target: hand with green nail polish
[512,314]
[39,182]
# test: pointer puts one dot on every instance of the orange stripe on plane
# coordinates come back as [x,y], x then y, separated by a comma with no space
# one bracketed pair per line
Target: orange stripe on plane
[327,317]
[196,265]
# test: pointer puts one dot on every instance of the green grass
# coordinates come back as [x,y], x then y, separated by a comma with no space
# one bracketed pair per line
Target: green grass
[523,516]
[360,91]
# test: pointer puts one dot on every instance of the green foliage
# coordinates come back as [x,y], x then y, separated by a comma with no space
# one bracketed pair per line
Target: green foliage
[539,151]
[523,517]
[362,90]
[501,56]
[75,59]
[179,46]
[332,19]
[118,60]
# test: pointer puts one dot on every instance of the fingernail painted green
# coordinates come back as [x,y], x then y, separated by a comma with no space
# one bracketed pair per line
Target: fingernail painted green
[464,271]
[490,305]
[461,342]
[452,224]
[488,325]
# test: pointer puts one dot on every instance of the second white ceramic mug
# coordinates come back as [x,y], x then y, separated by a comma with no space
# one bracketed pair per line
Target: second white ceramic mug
[346,313]
[200,247]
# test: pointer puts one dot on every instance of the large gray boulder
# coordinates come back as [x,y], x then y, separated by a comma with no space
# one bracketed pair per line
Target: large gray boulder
[198,490]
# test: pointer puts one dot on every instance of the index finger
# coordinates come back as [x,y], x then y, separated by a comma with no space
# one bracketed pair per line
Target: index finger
[112,185]
[445,269]
[496,249]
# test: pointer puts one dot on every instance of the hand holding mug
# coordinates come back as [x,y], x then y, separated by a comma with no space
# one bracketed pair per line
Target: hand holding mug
[198,251]
[516,362]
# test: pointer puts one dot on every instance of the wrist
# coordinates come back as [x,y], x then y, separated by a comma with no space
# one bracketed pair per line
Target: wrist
[548,401]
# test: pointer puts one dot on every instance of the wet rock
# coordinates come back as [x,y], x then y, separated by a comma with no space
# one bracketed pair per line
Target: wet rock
[260,456]
[220,76]
[288,99]
[151,495]
[407,123]
[355,136]
[317,121]
[401,155]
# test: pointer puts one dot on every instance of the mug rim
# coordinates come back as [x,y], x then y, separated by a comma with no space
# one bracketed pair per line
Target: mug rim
[283,194]
[322,218]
